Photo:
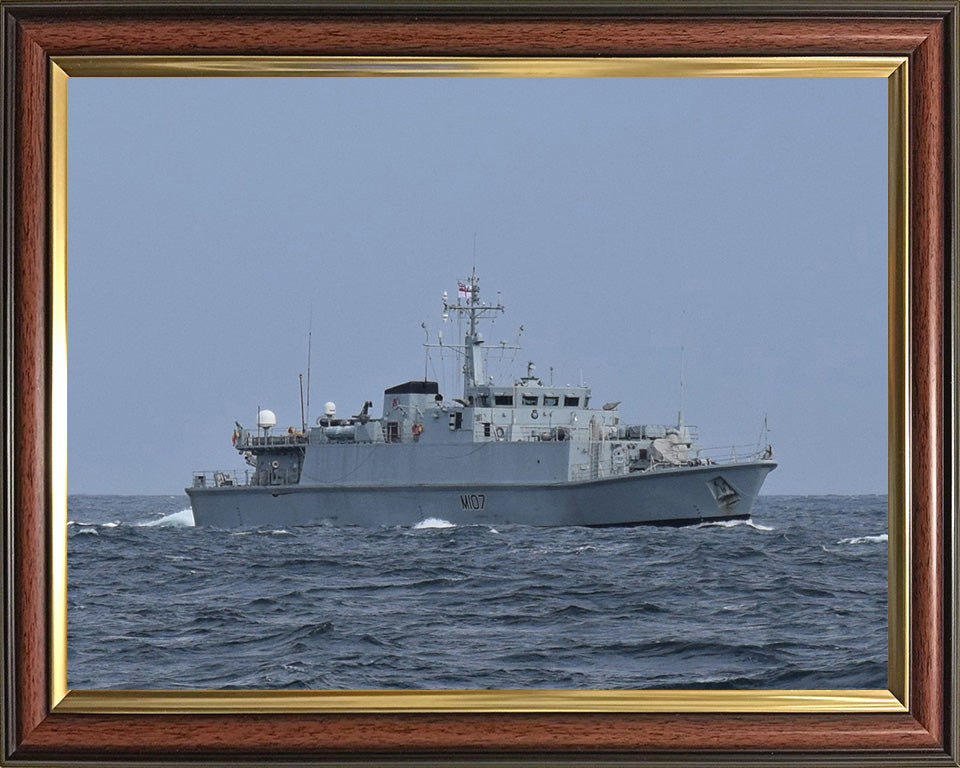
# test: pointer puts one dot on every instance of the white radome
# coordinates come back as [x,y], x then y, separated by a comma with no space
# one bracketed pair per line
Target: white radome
[266,419]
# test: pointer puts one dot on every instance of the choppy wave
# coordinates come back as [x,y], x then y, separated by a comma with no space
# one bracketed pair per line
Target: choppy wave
[880,538]
[80,523]
[156,603]
[433,522]
[735,524]
[181,519]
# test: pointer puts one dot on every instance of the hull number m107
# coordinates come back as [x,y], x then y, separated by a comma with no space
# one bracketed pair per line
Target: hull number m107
[472,500]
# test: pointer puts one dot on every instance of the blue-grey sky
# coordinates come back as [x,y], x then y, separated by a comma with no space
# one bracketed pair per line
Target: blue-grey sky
[621,219]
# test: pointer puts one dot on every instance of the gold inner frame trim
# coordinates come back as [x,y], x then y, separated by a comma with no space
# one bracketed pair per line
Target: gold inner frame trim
[385,702]
[58,386]
[822,701]
[420,66]
[899,432]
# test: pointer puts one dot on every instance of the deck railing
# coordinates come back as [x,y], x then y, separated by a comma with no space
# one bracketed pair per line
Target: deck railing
[249,440]
[220,478]
[735,454]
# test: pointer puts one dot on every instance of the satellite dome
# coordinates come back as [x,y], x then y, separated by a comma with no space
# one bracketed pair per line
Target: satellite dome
[266,419]
[330,409]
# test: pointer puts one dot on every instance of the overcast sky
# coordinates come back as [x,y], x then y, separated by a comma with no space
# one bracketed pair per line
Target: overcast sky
[213,221]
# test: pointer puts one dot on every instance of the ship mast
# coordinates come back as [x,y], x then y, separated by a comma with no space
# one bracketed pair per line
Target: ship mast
[475,310]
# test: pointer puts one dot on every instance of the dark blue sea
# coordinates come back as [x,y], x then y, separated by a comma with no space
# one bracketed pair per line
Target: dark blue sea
[794,598]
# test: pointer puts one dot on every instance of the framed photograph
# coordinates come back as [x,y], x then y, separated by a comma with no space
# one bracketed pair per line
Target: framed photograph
[400,75]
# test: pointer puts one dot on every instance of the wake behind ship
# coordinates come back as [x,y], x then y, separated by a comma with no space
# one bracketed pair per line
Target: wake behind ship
[524,453]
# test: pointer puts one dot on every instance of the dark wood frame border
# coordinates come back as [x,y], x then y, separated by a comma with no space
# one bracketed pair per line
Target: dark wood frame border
[925,32]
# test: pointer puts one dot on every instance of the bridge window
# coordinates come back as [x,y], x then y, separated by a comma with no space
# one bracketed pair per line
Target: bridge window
[571,402]
[503,399]
[551,399]
[529,399]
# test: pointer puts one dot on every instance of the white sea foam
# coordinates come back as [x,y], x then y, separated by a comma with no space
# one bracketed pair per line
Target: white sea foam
[83,524]
[721,524]
[878,539]
[735,524]
[181,519]
[433,522]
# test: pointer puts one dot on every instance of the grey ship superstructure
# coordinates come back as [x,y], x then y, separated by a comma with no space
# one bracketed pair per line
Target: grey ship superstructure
[524,453]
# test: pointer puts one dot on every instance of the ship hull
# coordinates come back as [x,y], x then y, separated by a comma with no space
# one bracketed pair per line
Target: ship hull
[680,496]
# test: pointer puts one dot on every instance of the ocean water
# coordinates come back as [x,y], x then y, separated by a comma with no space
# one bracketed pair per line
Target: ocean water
[794,598]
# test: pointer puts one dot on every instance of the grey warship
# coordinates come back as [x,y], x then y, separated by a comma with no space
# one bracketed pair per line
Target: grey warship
[525,453]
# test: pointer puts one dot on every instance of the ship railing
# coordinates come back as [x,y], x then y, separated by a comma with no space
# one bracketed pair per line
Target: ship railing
[655,431]
[248,440]
[735,454]
[222,478]
[547,432]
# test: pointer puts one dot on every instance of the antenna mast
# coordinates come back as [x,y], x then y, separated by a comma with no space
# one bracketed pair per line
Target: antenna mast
[303,418]
[469,291]
[680,414]
[309,361]
[426,349]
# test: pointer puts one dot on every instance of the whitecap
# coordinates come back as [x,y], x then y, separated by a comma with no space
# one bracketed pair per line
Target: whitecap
[878,539]
[722,524]
[433,522]
[735,524]
[181,519]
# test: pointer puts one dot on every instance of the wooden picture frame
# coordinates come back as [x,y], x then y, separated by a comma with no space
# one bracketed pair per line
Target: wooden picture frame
[39,728]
